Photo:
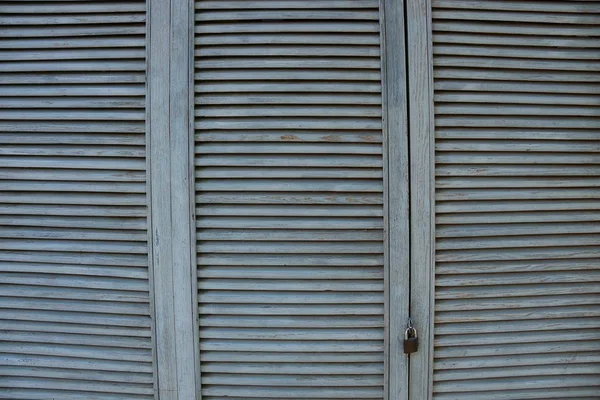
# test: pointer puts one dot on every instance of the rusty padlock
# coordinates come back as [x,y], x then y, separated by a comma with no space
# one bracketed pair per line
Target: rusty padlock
[411,339]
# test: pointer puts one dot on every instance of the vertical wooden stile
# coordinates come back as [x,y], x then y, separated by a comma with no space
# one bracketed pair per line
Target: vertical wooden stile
[422,182]
[396,196]
[170,183]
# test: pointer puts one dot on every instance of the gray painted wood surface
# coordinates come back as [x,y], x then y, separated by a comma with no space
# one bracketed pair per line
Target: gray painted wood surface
[290,186]
[517,105]
[397,202]
[422,223]
[174,272]
[75,310]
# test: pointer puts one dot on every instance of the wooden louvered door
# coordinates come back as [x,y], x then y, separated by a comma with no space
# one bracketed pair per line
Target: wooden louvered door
[291,200]
[203,200]
[75,318]
[516,300]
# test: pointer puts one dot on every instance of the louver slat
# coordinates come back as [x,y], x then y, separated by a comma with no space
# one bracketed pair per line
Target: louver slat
[289,186]
[74,296]
[517,105]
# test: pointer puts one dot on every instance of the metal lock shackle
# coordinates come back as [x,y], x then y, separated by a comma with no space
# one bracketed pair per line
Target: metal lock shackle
[410,333]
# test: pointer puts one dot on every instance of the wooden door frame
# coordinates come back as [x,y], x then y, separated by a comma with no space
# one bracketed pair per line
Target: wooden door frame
[422,191]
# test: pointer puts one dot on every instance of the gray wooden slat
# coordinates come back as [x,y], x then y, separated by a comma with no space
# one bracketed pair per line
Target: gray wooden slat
[525,16]
[323,26]
[85,78]
[55,88]
[522,5]
[207,111]
[58,65]
[565,53]
[52,19]
[91,270]
[71,31]
[59,384]
[315,136]
[72,127]
[78,374]
[70,175]
[294,63]
[514,40]
[241,356]
[298,99]
[300,297]
[317,77]
[516,182]
[79,102]
[321,83]
[298,392]
[266,4]
[519,133]
[290,210]
[290,273]
[342,173]
[275,50]
[282,235]
[76,8]
[475,85]
[526,302]
[38,233]
[506,27]
[302,222]
[288,39]
[519,75]
[247,14]
[116,42]
[522,337]
[51,394]
[516,110]
[65,210]
[518,98]
[72,114]
[294,347]
[102,331]
[471,61]
[286,198]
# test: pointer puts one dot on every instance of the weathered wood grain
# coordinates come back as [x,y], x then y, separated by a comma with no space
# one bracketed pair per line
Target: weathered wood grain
[422,180]
[397,205]
[171,222]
